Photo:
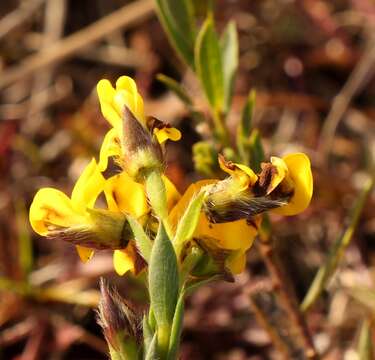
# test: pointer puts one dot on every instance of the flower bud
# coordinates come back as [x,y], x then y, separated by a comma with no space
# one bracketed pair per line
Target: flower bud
[142,152]
[102,229]
[119,322]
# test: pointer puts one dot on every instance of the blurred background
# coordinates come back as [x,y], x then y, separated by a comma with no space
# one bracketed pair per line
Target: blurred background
[312,64]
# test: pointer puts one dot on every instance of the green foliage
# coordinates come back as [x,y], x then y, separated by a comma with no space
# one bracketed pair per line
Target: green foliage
[365,343]
[163,286]
[229,54]
[176,88]
[152,350]
[209,67]
[142,240]
[188,223]
[244,128]
[176,328]
[205,158]
[177,19]
[337,251]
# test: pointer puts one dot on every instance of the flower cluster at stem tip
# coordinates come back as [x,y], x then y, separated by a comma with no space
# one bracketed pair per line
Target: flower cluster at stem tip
[133,147]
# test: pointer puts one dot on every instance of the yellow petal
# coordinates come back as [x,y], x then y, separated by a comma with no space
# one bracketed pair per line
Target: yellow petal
[167,133]
[126,83]
[135,101]
[124,194]
[88,187]
[282,171]
[236,262]
[112,116]
[242,173]
[52,207]
[299,172]
[110,147]
[105,90]
[106,94]
[123,261]
[173,196]
[179,209]
[231,236]
[85,254]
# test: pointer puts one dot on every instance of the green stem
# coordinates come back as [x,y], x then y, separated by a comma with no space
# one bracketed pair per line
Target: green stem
[157,196]
[221,128]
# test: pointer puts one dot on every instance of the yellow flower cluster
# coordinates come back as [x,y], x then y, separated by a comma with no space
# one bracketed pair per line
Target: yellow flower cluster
[285,183]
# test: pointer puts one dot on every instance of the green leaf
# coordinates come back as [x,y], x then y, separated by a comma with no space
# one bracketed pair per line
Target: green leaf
[177,19]
[256,150]
[148,333]
[176,88]
[365,346]
[337,250]
[176,328]
[229,55]
[188,223]
[205,158]
[208,62]
[163,286]
[152,351]
[143,242]
[244,128]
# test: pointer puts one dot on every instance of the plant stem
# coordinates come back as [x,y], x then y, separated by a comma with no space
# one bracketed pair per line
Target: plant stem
[286,295]
[221,128]
[157,196]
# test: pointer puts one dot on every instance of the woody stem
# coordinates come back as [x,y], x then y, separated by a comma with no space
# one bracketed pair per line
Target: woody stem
[286,295]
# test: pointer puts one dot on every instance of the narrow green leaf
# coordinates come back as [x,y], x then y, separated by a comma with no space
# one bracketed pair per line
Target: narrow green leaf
[337,251]
[365,344]
[163,279]
[209,66]
[198,283]
[148,334]
[176,328]
[176,88]
[244,128]
[143,242]
[188,223]
[177,18]
[229,55]
[256,151]
[152,352]
[205,158]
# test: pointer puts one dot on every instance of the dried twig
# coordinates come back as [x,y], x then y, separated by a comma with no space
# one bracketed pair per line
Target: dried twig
[14,19]
[126,16]
[287,296]
[360,76]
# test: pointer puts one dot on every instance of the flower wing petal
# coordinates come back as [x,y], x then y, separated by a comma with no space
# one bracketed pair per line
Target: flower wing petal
[88,187]
[52,207]
[123,261]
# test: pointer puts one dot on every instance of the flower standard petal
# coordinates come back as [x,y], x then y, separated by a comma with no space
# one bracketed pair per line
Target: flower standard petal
[300,175]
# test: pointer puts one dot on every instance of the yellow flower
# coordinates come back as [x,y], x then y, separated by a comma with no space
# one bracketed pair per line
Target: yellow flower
[51,209]
[114,100]
[125,195]
[297,178]
[236,236]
